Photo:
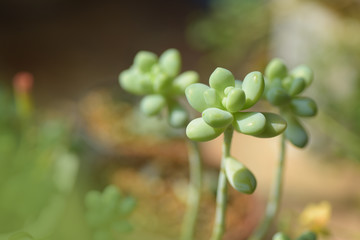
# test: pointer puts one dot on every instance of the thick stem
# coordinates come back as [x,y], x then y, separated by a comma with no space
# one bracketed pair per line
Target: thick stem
[194,191]
[221,196]
[273,204]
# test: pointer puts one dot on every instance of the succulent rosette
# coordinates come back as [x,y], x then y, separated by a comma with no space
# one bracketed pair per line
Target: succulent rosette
[282,89]
[221,105]
[160,81]
[107,213]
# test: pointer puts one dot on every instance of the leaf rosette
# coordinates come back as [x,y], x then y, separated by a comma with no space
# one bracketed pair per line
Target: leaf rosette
[160,81]
[282,89]
[108,212]
[221,105]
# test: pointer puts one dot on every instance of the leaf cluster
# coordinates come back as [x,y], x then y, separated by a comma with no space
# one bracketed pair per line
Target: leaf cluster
[107,213]
[160,81]
[221,104]
[282,90]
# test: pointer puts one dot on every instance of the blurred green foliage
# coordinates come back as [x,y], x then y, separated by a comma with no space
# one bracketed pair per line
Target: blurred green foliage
[35,165]
[107,213]
[231,30]
[282,90]
[308,235]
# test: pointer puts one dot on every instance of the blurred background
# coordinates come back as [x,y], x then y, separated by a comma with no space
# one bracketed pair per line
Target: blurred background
[63,114]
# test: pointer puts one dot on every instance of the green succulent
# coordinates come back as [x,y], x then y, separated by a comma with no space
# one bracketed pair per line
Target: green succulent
[221,104]
[280,236]
[160,81]
[308,235]
[107,213]
[282,90]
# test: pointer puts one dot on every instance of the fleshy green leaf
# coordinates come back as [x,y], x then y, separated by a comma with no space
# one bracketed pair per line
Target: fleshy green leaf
[111,194]
[239,176]
[130,80]
[162,83]
[277,96]
[199,130]
[126,206]
[184,80]
[212,99]
[304,72]
[303,106]
[251,123]
[217,118]
[295,132]
[144,61]
[170,62]
[285,82]
[178,117]
[297,86]
[109,200]
[195,96]
[280,236]
[235,100]
[253,86]
[220,79]
[228,90]
[274,125]
[276,69]
[307,236]
[152,104]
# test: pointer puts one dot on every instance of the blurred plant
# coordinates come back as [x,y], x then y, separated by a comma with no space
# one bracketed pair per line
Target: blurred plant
[159,80]
[37,168]
[107,213]
[220,105]
[231,30]
[281,90]
[308,235]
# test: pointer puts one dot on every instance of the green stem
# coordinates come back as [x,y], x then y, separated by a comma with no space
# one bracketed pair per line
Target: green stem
[221,196]
[194,192]
[273,204]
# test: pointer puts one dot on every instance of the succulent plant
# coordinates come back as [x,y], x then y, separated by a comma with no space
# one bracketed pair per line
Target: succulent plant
[159,81]
[107,213]
[308,235]
[221,105]
[282,90]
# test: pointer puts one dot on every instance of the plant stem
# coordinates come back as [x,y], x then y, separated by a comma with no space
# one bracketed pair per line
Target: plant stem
[194,191]
[221,195]
[273,204]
